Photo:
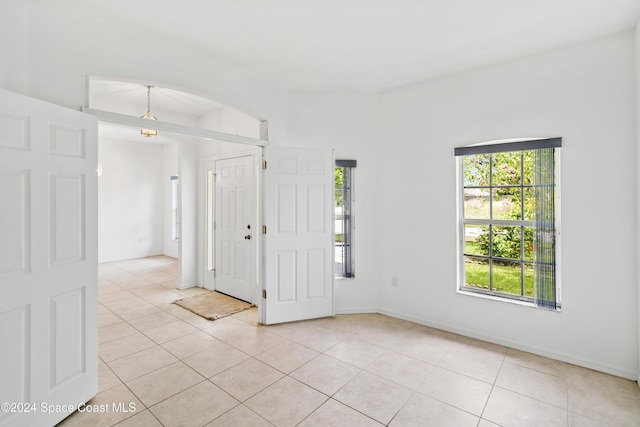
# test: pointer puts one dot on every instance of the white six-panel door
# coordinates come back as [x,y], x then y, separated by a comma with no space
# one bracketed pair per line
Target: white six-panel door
[48,260]
[298,213]
[234,229]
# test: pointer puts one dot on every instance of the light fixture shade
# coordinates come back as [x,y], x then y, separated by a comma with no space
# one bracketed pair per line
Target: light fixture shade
[149,133]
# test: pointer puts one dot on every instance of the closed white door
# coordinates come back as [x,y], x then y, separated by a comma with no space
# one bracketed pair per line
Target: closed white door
[298,214]
[48,260]
[234,228]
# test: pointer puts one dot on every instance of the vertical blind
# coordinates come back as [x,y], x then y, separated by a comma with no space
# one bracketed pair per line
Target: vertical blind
[545,228]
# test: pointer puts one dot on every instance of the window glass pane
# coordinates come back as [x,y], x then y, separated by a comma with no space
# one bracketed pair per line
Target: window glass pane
[507,277]
[529,247]
[339,254]
[476,239]
[476,170]
[476,271]
[210,220]
[527,166]
[529,206]
[340,212]
[174,208]
[339,233]
[476,203]
[342,228]
[505,242]
[506,168]
[507,203]
[529,271]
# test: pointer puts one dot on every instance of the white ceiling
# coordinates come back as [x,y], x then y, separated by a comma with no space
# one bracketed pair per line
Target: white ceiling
[369,45]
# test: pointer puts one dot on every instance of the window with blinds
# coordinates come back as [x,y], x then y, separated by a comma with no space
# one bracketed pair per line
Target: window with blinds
[509,220]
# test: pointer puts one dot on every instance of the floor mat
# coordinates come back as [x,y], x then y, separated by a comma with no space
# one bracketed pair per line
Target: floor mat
[213,305]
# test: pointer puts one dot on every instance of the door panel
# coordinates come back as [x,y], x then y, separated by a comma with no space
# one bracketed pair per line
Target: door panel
[233,208]
[298,200]
[48,257]
[15,336]
[14,227]
[68,336]
[66,218]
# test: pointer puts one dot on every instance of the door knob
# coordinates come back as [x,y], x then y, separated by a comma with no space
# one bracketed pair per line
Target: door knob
[247,237]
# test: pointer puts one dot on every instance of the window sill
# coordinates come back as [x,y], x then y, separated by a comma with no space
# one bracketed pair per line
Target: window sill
[505,300]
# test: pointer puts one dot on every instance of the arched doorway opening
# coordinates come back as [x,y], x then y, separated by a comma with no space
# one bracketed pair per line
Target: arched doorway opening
[156,193]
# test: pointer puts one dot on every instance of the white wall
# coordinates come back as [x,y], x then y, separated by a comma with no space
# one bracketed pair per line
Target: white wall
[348,123]
[232,122]
[584,94]
[130,200]
[14,36]
[188,192]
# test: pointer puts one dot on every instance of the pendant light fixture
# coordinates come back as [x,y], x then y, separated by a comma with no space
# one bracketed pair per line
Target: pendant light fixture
[149,133]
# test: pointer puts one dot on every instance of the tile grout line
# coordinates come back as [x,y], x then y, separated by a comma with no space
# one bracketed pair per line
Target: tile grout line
[493,386]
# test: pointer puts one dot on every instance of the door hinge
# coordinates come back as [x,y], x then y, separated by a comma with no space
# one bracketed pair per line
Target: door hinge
[264,164]
[214,225]
[264,229]
[214,272]
[264,293]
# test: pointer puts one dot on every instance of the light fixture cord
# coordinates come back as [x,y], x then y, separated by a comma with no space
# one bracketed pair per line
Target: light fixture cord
[149,99]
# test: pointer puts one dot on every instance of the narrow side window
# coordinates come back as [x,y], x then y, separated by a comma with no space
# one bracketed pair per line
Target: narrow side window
[174,208]
[344,221]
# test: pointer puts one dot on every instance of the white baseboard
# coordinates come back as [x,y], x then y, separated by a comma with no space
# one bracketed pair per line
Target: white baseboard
[187,285]
[356,310]
[563,357]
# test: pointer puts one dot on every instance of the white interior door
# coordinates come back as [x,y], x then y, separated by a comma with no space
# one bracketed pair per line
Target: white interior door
[234,228]
[48,259]
[298,213]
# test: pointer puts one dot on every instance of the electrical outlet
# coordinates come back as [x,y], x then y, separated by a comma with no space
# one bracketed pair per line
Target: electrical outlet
[394,282]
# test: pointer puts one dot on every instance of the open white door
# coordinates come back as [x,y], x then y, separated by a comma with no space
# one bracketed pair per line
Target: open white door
[48,260]
[298,213]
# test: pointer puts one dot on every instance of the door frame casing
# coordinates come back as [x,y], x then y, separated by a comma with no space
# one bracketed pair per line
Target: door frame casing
[256,221]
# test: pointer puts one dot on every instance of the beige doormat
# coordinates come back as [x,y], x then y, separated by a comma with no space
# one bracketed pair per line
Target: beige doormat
[213,305]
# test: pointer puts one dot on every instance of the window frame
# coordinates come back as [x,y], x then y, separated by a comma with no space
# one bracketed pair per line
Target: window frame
[175,215]
[519,145]
[348,270]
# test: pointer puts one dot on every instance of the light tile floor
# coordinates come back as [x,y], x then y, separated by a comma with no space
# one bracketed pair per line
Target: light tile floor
[178,369]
